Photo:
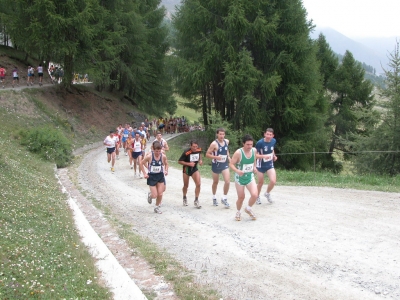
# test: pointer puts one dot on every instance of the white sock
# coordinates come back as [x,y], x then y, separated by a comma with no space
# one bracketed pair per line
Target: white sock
[224,197]
[248,207]
[214,197]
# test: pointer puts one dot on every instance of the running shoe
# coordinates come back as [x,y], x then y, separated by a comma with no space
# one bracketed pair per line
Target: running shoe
[112,169]
[131,167]
[238,216]
[258,201]
[215,202]
[185,201]
[140,175]
[197,203]
[157,210]
[225,202]
[149,198]
[250,213]
[135,174]
[269,198]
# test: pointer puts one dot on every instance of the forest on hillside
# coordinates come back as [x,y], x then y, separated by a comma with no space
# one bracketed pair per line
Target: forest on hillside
[250,65]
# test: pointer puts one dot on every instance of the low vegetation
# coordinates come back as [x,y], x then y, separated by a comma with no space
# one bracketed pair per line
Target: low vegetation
[41,254]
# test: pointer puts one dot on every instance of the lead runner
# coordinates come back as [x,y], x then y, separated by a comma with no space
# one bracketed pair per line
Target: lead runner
[243,163]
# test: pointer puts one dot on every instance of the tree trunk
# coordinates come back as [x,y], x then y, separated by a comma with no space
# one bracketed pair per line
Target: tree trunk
[204,107]
[68,71]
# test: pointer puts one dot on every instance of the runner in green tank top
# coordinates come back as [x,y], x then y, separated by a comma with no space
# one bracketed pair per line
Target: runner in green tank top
[247,166]
[243,164]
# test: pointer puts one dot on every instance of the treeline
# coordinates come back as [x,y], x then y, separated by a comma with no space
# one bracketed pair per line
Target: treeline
[120,43]
[253,63]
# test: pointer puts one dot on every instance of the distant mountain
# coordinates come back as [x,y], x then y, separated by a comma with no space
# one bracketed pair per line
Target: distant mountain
[339,43]
[383,45]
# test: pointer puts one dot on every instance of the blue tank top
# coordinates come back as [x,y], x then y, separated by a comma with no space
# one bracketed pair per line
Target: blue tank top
[222,151]
[156,166]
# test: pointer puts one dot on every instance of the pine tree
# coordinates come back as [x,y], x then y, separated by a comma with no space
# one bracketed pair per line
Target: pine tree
[351,94]
[327,58]
[254,63]
[386,137]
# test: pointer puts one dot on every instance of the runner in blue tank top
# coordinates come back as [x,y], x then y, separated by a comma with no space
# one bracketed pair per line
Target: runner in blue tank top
[157,168]
[265,163]
[219,153]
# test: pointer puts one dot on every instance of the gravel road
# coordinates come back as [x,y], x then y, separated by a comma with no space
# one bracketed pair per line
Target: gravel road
[311,243]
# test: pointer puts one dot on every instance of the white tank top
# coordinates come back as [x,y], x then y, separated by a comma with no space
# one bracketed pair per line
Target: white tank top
[137,146]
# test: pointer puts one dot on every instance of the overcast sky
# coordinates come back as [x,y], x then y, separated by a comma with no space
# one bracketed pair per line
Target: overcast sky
[356,18]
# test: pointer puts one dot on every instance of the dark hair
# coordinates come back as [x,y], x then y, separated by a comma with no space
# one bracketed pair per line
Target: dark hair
[220,129]
[246,138]
[157,145]
[269,130]
[193,142]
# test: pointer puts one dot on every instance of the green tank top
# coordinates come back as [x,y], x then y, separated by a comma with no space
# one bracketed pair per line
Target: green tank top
[246,165]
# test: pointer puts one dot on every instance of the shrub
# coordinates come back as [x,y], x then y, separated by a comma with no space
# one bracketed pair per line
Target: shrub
[49,143]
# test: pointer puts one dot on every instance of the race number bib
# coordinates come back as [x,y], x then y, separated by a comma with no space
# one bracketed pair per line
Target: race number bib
[155,169]
[248,168]
[125,135]
[222,158]
[194,157]
[269,157]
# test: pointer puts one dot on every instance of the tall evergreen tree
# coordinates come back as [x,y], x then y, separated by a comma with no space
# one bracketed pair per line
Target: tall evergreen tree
[384,141]
[329,61]
[351,94]
[254,63]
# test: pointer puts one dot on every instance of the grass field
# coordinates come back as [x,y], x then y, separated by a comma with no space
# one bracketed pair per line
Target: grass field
[191,115]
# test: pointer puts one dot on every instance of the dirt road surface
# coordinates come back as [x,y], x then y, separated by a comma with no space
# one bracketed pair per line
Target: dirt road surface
[311,243]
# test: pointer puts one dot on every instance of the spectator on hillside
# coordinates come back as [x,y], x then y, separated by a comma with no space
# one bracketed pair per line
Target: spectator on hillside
[2,76]
[15,76]
[61,75]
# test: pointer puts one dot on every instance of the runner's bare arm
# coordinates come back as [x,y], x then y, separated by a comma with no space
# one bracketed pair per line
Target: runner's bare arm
[232,163]
[166,147]
[142,162]
[211,149]
[165,162]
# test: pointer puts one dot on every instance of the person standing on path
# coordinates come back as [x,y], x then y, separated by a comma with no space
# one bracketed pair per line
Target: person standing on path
[2,76]
[157,166]
[109,142]
[265,163]
[15,76]
[219,153]
[189,160]
[40,74]
[31,72]
[243,163]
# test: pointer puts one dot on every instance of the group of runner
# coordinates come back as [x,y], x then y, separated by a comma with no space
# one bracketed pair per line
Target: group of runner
[170,125]
[15,75]
[250,164]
